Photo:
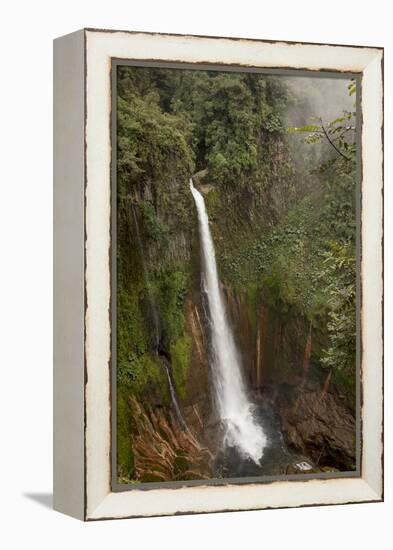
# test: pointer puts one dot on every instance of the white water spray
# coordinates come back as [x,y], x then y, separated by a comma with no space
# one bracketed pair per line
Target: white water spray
[234,408]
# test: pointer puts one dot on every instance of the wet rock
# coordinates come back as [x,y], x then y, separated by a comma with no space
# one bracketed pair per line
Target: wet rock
[197,384]
[318,425]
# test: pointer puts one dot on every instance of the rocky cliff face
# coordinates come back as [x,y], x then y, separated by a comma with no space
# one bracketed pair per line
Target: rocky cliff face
[279,351]
[163,450]
[314,419]
[317,424]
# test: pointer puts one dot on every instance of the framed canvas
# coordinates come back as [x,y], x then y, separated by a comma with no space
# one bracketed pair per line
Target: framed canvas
[218,332]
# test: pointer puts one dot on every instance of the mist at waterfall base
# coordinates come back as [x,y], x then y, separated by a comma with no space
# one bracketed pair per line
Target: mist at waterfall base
[244,435]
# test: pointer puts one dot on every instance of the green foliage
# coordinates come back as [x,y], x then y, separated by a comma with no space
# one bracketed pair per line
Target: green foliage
[340,266]
[339,133]
[170,292]
[304,267]
[148,140]
[125,456]
[352,87]
[337,272]
[180,358]
[230,137]
[136,366]
[155,229]
[279,285]
[222,116]
[132,342]
[306,128]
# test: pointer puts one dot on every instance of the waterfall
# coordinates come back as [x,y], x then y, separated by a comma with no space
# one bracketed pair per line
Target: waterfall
[172,394]
[234,407]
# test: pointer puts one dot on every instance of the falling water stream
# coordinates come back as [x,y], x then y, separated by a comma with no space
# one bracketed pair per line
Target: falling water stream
[172,393]
[241,430]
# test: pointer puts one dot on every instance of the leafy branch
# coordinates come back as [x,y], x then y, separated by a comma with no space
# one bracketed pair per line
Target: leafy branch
[335,132]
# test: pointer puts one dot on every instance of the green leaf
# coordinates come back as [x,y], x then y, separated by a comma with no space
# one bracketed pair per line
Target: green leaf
[307,128]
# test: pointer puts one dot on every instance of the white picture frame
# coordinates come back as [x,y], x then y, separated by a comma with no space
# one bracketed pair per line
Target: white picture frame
[82,335]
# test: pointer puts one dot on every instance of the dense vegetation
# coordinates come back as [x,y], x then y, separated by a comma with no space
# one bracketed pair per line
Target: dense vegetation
[280,191]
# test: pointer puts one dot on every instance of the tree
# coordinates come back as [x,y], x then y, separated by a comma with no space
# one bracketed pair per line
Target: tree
[338,269]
